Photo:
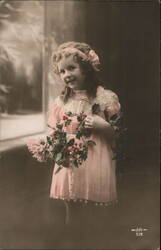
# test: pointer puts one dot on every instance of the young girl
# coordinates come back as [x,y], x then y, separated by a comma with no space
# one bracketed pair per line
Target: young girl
[94,182]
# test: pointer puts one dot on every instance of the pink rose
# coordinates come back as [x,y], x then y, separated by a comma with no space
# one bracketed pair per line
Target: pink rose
[113,109]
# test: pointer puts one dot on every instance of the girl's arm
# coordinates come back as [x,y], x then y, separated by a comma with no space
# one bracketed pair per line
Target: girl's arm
[53,114]
[108,102]
[100,126]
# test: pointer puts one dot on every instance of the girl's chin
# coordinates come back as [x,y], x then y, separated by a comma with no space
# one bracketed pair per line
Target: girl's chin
[74,86]
[71,86]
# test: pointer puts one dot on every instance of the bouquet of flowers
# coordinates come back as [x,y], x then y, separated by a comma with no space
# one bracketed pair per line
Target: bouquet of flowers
[59,148]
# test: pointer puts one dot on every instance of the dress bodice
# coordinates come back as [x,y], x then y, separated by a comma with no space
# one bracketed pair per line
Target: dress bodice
[81,102]
[78,103]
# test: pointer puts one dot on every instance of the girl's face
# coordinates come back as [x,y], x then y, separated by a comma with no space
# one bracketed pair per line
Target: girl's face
[71,73]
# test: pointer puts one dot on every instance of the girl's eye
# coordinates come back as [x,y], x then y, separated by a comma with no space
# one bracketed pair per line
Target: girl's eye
[61,71]
[71,67]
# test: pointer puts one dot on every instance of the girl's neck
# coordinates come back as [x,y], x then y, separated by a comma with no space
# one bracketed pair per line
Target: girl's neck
[80,90]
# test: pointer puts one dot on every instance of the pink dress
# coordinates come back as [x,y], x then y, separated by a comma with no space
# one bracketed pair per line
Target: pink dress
[95,179]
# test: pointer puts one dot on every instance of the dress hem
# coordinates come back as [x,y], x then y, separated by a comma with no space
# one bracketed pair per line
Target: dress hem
[85,201]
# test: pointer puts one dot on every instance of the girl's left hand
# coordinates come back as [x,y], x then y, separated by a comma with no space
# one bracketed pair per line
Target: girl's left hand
[95,122]
[88,121]
[99,124]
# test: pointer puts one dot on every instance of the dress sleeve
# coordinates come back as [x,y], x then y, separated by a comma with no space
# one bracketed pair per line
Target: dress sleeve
[109,102]
[53,115]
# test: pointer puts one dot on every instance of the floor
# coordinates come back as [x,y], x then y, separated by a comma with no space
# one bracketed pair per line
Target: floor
[30,220]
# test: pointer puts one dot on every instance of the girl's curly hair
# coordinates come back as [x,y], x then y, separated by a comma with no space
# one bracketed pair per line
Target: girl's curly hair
[90,70]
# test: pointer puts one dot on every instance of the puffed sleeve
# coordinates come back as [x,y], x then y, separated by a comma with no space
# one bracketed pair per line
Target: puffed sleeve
[109,102]
[54,113]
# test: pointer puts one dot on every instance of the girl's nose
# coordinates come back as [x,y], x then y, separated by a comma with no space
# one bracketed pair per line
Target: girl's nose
[67,75]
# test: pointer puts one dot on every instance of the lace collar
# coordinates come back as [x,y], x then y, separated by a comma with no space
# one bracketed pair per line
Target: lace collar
[81,95]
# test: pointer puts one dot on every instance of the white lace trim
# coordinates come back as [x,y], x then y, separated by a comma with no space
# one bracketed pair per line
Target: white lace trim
[74,106]
[106,99]
[84,201]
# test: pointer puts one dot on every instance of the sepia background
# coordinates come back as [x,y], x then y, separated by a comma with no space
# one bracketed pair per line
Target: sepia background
[125,35]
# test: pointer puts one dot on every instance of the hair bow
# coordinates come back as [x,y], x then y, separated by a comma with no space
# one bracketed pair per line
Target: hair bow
[94,59]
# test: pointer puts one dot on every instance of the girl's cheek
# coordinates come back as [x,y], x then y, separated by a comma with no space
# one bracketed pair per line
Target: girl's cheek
[61,77]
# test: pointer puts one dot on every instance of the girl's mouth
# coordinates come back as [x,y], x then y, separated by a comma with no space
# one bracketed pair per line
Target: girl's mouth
[70,81]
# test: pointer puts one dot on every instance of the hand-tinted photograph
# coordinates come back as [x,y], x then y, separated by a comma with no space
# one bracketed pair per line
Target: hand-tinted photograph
[79,124]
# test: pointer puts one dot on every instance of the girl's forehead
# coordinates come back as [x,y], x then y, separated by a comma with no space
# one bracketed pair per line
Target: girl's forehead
[66,61]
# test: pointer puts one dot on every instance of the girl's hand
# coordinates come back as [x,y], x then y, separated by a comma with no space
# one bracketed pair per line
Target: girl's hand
[98,124]
[95,122]
[88,122]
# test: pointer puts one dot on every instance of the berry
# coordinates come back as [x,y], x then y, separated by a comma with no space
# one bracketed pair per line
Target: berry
[65,117]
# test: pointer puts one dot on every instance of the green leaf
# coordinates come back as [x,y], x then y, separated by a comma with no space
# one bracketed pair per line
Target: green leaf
[96,108]
[70,142]
[59,126]
[57,148]
[84,156]
[65,163]
[49,140]
[49,126]
[63,142]
[58,169]
[58,156]
[79,119]
[91,143]
[75,163]
[79,135]
[68,122]
[69,114]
